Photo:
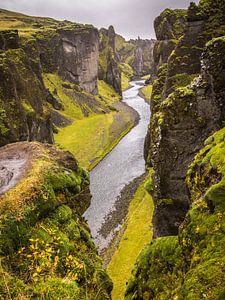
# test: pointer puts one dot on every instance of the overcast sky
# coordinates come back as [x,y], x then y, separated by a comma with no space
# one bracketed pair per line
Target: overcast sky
[131,18]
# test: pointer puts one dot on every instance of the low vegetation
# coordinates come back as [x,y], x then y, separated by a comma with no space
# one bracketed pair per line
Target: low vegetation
[131,243]
[45,245]
[146,92]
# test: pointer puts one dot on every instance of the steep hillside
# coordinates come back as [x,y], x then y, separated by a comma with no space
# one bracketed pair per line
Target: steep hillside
[45,245]
[23,97]
[186,260]
[49,71]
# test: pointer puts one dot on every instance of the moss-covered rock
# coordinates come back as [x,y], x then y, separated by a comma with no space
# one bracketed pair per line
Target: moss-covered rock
[157,271]
[138,54]
[109,69]
[45,245]
[169,27]
[190,265]
[183,104]
[22,96]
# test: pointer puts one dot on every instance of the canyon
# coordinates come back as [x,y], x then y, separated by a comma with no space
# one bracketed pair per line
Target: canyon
[70,103]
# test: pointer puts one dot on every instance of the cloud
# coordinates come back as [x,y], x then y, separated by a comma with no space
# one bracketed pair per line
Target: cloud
[131,18]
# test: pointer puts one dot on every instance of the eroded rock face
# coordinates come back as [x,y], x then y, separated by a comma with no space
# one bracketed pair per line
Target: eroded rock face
[22,95]
[9,39]
[185,260]
[73,53]
[143,57]
[169,27]
[109,70]
[79,61]
[185,113]
[69,50]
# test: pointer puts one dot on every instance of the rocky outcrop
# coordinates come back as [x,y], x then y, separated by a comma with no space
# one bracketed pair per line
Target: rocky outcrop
[73,53]
[142,63]
[109,70]
[186,145]
[65,49]
[136,53]
[183,117]
[190,265]
[22,95]
[169,27]
[46,248]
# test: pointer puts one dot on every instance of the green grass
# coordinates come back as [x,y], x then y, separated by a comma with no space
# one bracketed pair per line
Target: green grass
[107,93]
[87,139]
[132,242]
[125,82]
[28,25]
[146,92]
[146,77]
[71,109]
[126,74]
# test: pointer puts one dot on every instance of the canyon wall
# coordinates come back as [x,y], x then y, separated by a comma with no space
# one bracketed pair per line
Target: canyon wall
[73,53]
[22,94]
[136,53]
[109,70]
[185,112]
[185,147]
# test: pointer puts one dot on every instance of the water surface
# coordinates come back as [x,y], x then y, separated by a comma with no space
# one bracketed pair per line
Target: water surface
[121,166]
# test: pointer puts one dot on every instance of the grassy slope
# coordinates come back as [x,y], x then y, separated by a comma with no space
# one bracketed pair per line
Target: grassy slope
[86,138]
[146,92]
[138,221]
[27,25]
[89,138]
[126,75]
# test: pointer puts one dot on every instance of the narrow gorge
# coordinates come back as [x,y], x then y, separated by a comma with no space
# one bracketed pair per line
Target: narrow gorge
[112,157]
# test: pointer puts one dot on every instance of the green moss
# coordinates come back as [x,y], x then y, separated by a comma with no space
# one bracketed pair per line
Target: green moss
[157,88]
[63,214]
[28,108]
[126,75]
[149,183]
[176,18]
[181,80]
[55,288]
[161,260]
[45,246]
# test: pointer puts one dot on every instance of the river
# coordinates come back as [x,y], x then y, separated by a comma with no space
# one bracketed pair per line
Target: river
[120,167]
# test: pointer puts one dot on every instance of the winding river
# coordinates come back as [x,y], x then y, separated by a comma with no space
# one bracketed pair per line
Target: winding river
[120,167]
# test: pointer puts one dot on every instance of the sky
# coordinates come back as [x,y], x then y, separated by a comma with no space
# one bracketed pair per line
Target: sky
[130,18]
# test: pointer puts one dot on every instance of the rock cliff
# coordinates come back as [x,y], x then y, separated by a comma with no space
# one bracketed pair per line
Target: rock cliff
[136,53]
[43,64]
[73,53]
[185,147]
[24,114]
[169,27]
[109,70]
[185,113]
